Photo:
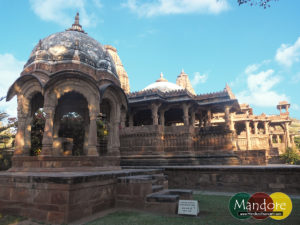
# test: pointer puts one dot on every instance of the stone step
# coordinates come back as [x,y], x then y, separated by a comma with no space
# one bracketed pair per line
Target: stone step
[156,188]
[161,197]
[183,193]
[135,179]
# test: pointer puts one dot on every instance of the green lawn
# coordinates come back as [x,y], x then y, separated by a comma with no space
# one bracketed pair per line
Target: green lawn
[213,211]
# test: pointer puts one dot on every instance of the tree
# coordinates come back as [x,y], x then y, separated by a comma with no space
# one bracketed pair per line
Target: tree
[7,135]
[291,156]
[261,3]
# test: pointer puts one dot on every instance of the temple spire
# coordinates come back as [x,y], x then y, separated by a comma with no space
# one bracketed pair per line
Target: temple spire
[76,26]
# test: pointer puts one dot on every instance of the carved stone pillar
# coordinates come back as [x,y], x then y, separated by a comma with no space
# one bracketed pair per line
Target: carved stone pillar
[266,126]
[27,136]
[227,117]
[162,117]
[123,119]
[248,134]
[292,139]
[154,109]
[255,123]
[115,137]
[287,108]
[92,140]
[193,118]
[231,127]
[287,134]
[57,143]
[19,140]
[185,108]
[86,134]
[277,138]
[208,117]
[49,109]
[131,119]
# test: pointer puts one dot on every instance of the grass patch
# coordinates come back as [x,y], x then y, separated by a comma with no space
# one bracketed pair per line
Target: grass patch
[7,219]
[213,211]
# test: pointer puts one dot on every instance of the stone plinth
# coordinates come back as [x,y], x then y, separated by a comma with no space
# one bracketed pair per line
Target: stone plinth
[64,163]
[60,197]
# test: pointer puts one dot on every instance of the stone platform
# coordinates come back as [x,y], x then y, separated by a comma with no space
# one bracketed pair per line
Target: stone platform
[61,197]
[63,163]
[269,178]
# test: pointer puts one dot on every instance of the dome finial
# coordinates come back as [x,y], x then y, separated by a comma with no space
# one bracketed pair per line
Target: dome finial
[77,19]
[161,79]
[76,26]
[182,71]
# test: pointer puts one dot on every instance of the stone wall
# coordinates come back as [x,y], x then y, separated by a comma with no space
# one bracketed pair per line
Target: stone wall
[236,178]
[141,140]
[60,198]
[252,157]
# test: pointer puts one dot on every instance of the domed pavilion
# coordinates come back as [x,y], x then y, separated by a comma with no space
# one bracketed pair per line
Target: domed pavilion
[68,72]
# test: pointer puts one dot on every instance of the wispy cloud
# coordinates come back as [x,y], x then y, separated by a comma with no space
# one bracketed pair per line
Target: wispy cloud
[287,55]
[260,89]
[147,33]
[58,11]
[199,79]
[167,7]
[296,78]
[295,107]
[10,69]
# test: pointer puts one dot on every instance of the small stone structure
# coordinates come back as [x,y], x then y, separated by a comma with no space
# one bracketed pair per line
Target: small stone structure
[69,72]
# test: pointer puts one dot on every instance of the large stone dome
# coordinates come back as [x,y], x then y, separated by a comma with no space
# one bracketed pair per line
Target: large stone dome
[72,45]
[163,85]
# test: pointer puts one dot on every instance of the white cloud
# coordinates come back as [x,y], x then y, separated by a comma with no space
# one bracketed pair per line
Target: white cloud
[296,78]
[295,107]
[57,11]
[166,7]
[251,68]
[199,79]
[288,55]
[10,69]
[260,90]
[147,33]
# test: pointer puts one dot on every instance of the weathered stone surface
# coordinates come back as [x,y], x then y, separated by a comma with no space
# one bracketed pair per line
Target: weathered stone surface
[236,178]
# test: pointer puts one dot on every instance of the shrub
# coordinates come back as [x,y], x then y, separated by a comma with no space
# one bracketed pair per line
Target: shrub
[5,159]
[291,156]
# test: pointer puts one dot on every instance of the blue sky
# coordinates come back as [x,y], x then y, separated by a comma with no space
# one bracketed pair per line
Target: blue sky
[255,50]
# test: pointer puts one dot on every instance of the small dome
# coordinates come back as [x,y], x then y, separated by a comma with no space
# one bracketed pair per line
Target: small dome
[72,45]
[163,85]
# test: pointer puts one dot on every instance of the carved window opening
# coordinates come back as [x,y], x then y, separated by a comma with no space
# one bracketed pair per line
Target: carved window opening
[240,128]
[174,117]
[261,128]
[143,117]
[71,124]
